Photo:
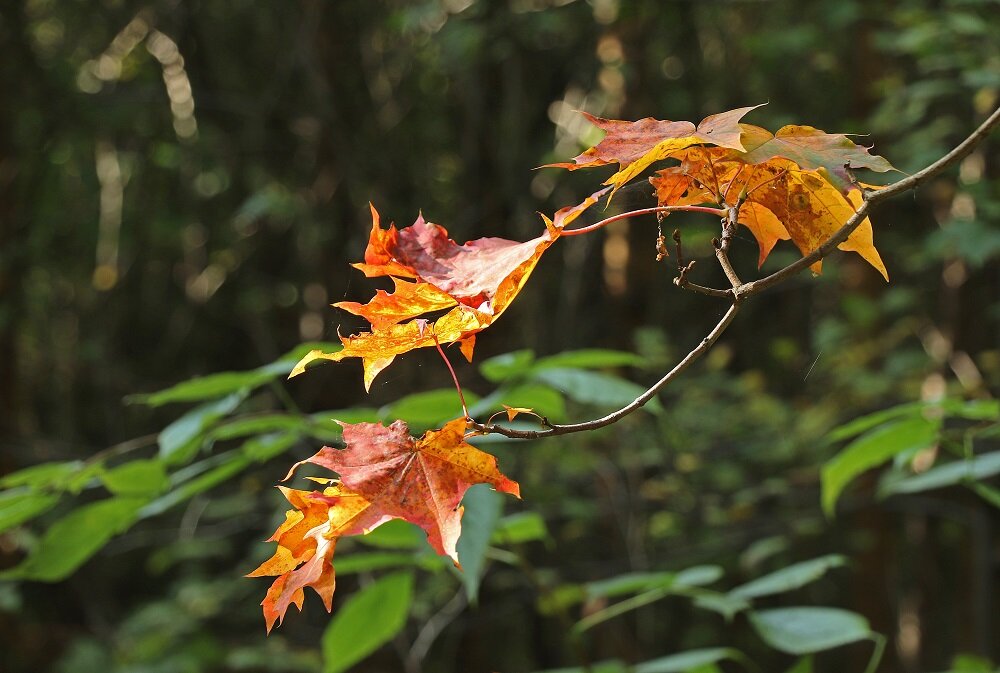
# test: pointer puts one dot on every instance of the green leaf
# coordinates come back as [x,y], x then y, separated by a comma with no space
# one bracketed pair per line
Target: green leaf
[323,424]
[266,447]
[787,579]
[967,663]
[540,398]
[180,441]
[660,585]
[987,493]
[594,388]
[209,473]
[395,534]
[88,473]
[690,660]
[367,620]
[629,583]
[225,383]
[22,505]
[483,507]
[698,576]
[871,449]
[978,468]
[591,358]
[70,541]
[259,425]
[723,604]
[864,423]
[973,410]
[42,476]
[616,610]
[428,409]
[211,387]
[806,630]
[137,477]
[507,366]
[365,562]
[520,528]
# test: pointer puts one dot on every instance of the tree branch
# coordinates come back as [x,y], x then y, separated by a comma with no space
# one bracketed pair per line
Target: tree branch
[616,416]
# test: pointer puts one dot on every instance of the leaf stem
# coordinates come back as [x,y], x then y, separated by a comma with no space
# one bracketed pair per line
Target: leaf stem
[454,377]
[719,212]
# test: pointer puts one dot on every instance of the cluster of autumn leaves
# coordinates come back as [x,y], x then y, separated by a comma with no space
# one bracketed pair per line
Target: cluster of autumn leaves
[795,184]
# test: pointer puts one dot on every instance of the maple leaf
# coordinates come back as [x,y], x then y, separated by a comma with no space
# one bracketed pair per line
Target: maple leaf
[478,280]
[811,148]
[782,199]
[306,542]
[384,474]
[636,145]
[419,480]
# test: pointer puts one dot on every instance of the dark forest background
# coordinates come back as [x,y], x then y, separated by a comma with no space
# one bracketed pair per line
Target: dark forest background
[183,186]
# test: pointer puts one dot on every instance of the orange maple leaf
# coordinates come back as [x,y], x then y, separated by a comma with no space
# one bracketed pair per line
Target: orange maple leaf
[634,146]
[783,200]
[419,480]
[384,474]
[477,281]
[306,542]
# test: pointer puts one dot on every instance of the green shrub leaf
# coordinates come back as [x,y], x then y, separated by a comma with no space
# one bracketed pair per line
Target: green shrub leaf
[367,620]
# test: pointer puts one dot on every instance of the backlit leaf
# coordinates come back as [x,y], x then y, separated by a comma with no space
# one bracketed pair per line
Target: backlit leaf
[477,281]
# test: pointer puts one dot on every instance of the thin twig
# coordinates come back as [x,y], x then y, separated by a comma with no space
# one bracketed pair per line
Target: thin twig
[729,226]
[683,270]
[454,377]
[684,283]
[641,400]
[432,628]
[643,211]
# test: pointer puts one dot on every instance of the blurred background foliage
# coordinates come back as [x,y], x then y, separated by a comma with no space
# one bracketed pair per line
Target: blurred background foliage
[182,186]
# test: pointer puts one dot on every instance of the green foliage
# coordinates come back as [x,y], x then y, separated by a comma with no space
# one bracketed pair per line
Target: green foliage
[74,538]
[225,237]
[901,433]
[366,621]
[483,507]
[809,630]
